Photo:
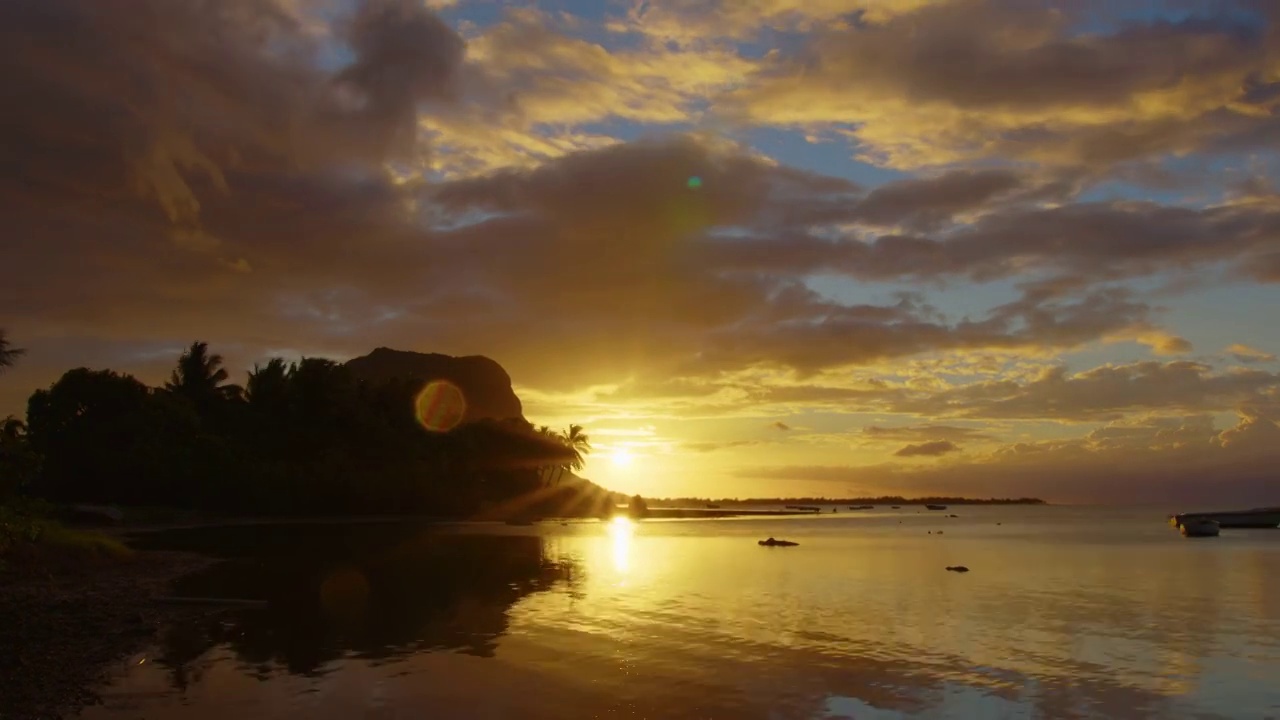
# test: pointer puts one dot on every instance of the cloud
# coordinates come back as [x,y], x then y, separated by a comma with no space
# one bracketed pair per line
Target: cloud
[779,425]
[1071,245]
[710,446]
[1163,343]
[921,433]
[531,82]
[1170,460]
[975,79]
[1102,393]
[933,448]
[701,21]
[1247,354]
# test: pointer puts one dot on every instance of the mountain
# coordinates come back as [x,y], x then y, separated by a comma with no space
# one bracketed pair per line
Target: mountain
[483,382]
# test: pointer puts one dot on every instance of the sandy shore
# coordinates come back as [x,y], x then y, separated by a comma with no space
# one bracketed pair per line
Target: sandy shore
[60,632]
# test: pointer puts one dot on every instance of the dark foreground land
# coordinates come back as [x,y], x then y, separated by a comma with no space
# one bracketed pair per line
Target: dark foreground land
[64,626]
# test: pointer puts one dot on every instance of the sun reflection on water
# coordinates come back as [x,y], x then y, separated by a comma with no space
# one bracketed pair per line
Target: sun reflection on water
[621,530]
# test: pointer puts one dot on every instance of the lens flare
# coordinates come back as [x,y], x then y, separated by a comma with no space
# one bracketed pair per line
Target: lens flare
[440,406]
[694,182]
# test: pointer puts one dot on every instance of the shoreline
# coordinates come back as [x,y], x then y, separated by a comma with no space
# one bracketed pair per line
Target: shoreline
[64,630]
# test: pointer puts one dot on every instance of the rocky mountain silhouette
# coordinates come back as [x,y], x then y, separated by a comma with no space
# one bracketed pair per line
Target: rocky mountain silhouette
[483,382]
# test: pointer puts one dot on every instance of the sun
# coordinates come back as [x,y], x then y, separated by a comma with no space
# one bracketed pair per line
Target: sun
[621,457]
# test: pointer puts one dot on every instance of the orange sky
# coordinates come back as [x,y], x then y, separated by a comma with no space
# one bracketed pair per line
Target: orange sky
[835,247]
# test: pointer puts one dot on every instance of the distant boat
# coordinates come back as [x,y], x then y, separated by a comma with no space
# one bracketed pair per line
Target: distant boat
[896,507]
[936,507]
[807,508]
[861,507]
[1200,527]
[1255,518]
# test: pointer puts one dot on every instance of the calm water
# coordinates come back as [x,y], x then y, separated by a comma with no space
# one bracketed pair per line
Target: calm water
[1068,612]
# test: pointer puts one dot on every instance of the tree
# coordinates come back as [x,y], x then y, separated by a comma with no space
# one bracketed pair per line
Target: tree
[19,464]
[268,384]
[575,439]
[8,354]
[637,507]
[199,378]
[106,437]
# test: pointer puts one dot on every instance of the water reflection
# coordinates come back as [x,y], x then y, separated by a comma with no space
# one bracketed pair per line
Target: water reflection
[375,594]
[621,532]
[694,620]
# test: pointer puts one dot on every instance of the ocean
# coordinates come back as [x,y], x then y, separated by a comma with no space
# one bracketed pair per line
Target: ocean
[1067,612]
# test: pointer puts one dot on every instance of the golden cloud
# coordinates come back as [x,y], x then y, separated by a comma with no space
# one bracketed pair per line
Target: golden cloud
[981,78]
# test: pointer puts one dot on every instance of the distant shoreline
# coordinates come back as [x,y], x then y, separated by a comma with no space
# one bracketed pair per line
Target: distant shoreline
[873,501]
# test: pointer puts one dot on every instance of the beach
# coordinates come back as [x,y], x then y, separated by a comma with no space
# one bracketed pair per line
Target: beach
[64,628]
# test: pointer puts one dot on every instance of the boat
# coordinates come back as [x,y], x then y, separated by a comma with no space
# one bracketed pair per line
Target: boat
[896,507]
[1255,518]
[936,507]
[1200,527]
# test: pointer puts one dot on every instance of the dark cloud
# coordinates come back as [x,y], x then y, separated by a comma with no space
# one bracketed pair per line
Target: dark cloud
[923,433]
[1101,393]
[702,447]
[1079,242]
[933,448]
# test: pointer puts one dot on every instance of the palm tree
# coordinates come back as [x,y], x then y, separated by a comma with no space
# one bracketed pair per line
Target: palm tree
[268,383]
[8,354]
[200,376]
[12,429]
[579,446]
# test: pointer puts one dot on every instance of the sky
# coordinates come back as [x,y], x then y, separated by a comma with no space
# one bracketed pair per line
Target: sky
[757,248]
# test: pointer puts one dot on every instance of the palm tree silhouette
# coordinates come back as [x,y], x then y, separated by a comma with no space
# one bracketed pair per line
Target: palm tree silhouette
[200,376]
[8,354]
[268,383]
[578,444]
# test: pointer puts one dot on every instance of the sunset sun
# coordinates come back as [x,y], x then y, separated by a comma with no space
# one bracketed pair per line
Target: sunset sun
[622,457]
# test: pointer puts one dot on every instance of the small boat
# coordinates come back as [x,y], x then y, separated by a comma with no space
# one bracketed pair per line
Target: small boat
[776,543]
[936,507]
[896,507]
[1200,527]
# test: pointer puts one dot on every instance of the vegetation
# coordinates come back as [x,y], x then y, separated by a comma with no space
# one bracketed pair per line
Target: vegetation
[577,444]
[8,353]
[28,536]
[301,438]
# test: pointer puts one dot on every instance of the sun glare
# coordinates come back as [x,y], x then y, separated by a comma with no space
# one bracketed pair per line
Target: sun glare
[622,457]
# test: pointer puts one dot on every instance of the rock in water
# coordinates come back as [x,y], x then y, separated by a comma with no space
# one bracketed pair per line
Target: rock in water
[957,568]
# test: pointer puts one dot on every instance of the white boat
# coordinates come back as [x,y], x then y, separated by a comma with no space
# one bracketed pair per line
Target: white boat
[1200,527]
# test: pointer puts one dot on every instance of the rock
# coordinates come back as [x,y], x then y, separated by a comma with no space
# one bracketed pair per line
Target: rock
[483,382]
[957,568]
